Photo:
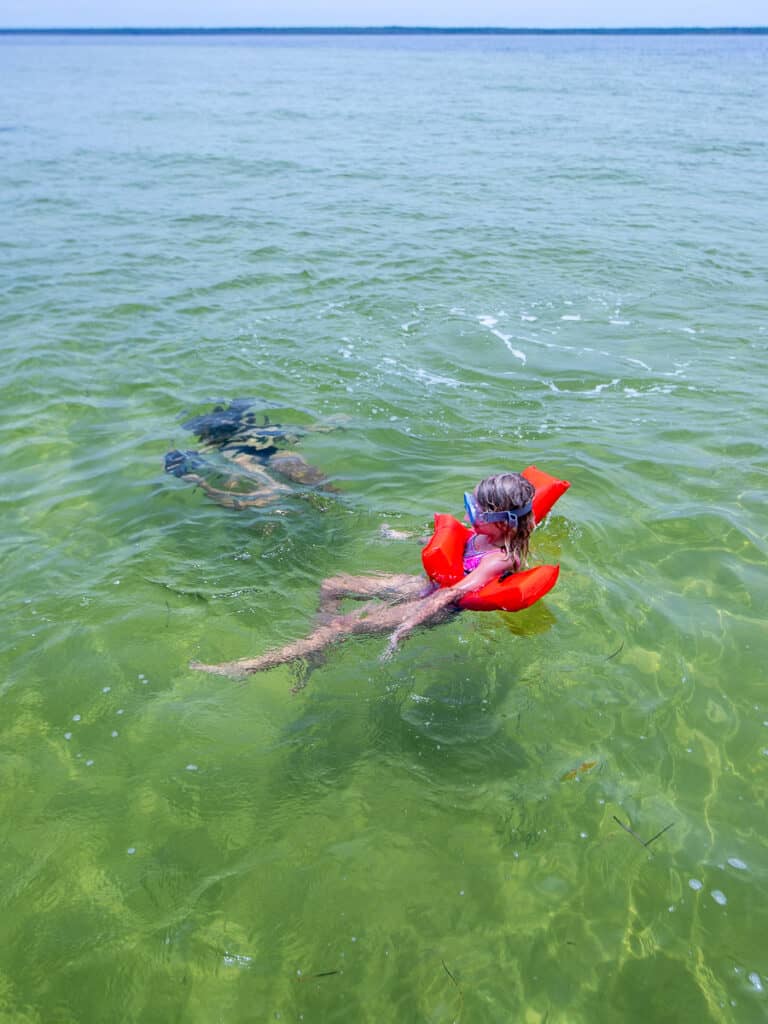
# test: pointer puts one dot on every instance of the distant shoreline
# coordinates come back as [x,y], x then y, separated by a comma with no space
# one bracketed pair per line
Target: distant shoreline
[387,30]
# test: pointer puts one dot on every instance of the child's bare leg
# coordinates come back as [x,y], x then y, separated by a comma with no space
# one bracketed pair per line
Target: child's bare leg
[390,586]
[358,623]
[381,620]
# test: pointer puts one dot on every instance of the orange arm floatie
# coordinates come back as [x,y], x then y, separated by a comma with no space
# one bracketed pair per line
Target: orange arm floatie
[443,556]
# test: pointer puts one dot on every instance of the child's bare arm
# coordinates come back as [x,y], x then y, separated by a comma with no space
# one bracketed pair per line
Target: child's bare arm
[429,610]
[435,608]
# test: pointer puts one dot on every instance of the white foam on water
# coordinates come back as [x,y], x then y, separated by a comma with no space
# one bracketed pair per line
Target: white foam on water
[601,387]
[620,323]
[506,338]
[490,322]
[638,362]
[571,316]
[528,317]
[435,378]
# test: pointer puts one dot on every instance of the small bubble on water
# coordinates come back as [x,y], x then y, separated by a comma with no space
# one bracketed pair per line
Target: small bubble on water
[116,582]
[461,892]
[695,884]
[719,897]
[67,735]
[106,689]
[736,863]
[120,711]
[114,734]
[192,768]
[89,762]
[354,938]
[755,981]
[131,850]
[75,718]
[584,835]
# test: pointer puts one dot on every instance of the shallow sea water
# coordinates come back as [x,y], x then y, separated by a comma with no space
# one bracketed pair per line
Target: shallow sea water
[480,253]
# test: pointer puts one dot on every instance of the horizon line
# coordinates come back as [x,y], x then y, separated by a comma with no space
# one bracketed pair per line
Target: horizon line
[383,30]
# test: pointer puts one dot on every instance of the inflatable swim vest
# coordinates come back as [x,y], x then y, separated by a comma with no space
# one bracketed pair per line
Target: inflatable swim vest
[443,556]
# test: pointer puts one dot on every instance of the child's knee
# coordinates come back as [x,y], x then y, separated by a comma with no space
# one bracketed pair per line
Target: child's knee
[333,586]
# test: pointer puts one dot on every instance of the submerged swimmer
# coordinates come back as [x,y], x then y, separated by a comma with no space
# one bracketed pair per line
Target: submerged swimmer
[253,458]
[500,513]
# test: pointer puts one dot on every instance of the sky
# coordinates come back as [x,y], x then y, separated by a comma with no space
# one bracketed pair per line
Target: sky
[444,13]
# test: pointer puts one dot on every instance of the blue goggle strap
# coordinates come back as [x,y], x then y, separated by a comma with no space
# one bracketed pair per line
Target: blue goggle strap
[509,517]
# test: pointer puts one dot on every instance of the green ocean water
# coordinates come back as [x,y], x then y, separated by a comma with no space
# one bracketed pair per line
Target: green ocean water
[478,253]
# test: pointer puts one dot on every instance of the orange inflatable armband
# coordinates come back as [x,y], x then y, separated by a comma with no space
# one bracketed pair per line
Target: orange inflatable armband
[443,556]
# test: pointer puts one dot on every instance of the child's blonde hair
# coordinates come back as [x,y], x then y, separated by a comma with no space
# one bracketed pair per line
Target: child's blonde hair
[506,492]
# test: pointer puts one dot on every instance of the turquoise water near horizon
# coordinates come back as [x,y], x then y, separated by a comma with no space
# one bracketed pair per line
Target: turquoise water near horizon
[474,253]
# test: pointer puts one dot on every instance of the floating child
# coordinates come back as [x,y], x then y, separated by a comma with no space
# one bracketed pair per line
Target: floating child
[476,567]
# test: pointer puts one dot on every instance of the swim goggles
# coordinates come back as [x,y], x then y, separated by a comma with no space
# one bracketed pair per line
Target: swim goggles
[476,516]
